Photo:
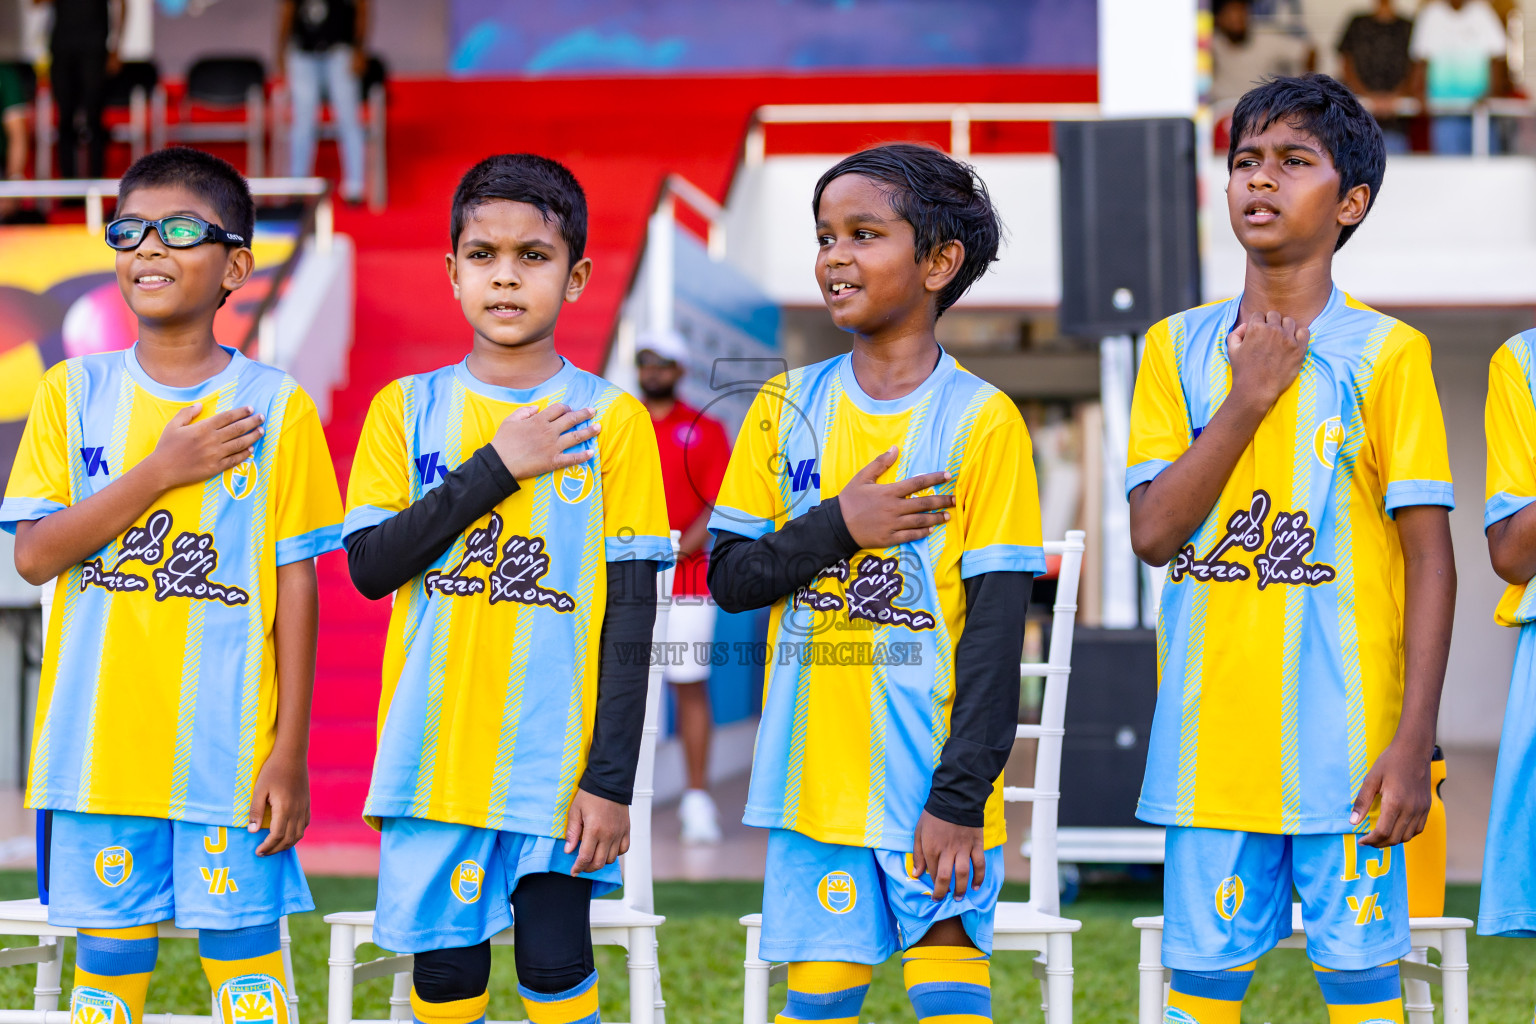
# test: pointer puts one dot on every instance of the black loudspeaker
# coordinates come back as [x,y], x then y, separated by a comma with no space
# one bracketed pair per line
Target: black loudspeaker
[1109,720]
[1130,251]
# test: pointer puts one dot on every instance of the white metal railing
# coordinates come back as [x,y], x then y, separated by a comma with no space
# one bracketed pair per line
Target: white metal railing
[959,116]
[319,220]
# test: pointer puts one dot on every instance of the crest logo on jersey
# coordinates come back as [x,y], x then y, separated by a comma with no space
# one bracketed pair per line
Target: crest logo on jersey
[240,481]
[431,468]
[1330,434]
[114,865]
[96,1006]
[803,474]
[837,893]
[574,483]
[1229,897]
[466,880]
[252,999]
[95,460]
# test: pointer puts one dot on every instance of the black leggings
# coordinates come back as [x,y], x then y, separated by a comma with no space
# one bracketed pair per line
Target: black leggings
[551,942]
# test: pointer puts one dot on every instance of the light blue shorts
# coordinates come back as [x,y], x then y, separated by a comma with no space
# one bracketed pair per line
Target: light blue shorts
[1227,899]
[822,901]
[443,885]
[1508,896]
[120,871]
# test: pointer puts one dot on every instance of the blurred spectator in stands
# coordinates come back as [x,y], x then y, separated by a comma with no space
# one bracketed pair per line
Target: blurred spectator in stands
[1463,45]
[1243,55]
[1375,63]
[320,45]
[13,93]
[80,61]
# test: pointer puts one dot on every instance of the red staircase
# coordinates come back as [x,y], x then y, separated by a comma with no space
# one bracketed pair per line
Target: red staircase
[621,137]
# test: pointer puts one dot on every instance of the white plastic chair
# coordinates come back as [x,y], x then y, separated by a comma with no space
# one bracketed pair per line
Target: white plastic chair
[1447,935]
[1036,925]
[629,922]
[30,917]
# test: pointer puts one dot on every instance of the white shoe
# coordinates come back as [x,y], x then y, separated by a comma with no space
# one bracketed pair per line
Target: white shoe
[697,813]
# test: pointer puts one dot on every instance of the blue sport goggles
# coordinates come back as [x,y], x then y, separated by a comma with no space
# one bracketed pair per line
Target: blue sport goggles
[180,231]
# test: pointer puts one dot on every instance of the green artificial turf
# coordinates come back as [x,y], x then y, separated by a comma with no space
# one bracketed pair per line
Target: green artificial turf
[702,948]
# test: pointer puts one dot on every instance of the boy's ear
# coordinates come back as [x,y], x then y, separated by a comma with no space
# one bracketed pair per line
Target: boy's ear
[1354,204]
[238,269]
[944,264]
[453,273]
[581,273]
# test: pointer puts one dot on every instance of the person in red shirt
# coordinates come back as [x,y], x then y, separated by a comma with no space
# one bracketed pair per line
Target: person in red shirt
[694,453]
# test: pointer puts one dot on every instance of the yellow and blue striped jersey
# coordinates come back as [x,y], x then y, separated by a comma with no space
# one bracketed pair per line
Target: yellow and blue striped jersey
[1509,420]
[861,671]
[159,693]
[491,663]
[1280,636]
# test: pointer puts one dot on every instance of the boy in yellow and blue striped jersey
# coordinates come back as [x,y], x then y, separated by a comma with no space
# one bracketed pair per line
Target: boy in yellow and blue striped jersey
[1288,462]
[884,503]
[180,492]
[1508,901]
[513,505]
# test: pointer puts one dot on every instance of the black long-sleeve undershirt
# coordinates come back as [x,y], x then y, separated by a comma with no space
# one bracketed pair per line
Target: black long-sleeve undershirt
[746,573]
[384,558]
[381,559]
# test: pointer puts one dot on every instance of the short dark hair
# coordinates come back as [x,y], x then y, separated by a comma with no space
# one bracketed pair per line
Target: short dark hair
[1325,109]
[213,179]
[943,199]
[546,185]
[1217,6]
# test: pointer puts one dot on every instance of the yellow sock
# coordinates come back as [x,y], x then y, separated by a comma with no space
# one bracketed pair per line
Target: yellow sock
[112,969]
[1362,997]
[948,984]
[244,967]
[1208,997]
[825,991]
[455,1011]
[576,1005]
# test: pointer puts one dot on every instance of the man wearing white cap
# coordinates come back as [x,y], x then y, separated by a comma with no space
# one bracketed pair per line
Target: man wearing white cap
[694,453]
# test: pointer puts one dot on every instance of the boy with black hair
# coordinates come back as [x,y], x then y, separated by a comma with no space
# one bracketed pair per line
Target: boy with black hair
[1507,904]
[488,496]
[179,492]
[1288,458]
[884,503]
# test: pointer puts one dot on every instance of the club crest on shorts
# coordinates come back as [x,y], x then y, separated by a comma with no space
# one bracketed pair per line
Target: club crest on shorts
[240,481]
[837,893]
[1325,443]
[114,864]
[252,999]
[574,483]
[96,1006]
[1229,897]
[466,880]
